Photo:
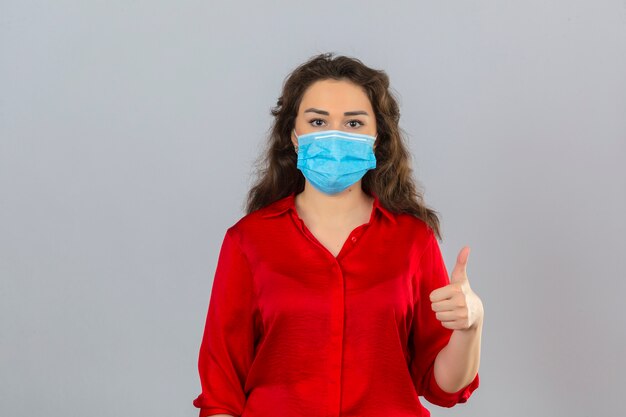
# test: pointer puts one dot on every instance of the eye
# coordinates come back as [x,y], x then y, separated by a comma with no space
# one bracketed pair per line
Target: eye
[356,121]
[312,121]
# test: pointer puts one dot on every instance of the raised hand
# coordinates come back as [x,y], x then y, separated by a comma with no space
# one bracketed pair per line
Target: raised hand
[456,306]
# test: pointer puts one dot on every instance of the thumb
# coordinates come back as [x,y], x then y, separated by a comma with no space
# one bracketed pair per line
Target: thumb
[459,273]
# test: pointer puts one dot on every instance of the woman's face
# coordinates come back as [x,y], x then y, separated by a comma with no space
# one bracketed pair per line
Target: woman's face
[335,105]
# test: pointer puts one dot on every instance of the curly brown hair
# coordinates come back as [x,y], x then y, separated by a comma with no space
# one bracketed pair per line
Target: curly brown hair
[391,180]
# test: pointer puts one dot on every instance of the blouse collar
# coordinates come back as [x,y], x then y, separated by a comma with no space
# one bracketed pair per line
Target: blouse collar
[288,203]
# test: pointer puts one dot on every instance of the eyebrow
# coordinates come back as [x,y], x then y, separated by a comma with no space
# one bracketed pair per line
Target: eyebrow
[348,113]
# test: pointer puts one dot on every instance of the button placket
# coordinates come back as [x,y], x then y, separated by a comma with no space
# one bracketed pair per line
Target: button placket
[337,317]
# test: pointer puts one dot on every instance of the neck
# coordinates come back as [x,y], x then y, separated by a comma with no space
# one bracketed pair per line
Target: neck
[332,208]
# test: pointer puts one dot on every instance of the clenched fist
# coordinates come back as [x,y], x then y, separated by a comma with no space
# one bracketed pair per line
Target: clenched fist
[456,305]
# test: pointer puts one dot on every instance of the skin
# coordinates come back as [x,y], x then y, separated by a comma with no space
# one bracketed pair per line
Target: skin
[459,308]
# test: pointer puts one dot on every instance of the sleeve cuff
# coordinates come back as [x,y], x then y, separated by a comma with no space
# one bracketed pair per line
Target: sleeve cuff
[435,395]
[206,412]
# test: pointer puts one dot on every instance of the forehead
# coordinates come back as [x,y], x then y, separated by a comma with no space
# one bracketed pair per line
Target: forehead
[335,95]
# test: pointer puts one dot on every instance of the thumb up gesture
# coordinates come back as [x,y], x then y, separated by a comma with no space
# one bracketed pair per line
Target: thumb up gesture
[456,306]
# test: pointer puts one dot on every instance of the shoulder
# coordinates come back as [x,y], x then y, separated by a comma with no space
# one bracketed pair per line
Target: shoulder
[417,228]
[402,224]
[263,219]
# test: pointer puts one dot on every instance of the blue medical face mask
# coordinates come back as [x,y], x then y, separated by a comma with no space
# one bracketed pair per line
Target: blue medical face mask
[333,160]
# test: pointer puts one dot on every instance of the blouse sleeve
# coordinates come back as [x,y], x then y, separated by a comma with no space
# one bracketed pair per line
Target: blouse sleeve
[428,336]
[230,332]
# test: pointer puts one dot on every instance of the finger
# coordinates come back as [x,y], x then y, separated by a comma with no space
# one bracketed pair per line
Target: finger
[459,273]
[445,305]
[454,325]
[442,293]
[447,315]
[447,292]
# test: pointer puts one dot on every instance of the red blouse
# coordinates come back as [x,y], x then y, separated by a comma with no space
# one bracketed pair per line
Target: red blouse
[292,330]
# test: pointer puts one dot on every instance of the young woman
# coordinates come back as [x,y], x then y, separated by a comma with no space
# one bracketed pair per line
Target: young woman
[331,296]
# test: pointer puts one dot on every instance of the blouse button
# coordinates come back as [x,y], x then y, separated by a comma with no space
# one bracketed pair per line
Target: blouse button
[353,239]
